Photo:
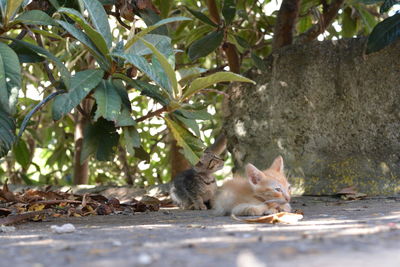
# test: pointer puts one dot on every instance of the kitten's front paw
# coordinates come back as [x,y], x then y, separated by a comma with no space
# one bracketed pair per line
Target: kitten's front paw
[199,206]
[285,207]
[254,211]
[202,206]
[270,211]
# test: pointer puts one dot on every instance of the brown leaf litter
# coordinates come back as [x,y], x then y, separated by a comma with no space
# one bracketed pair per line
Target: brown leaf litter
[36,205]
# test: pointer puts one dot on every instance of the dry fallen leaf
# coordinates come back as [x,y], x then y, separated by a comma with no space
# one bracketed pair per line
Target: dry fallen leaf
[281,217]
[350,193]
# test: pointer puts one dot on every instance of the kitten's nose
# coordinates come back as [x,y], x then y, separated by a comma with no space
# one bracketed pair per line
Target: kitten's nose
[287,197]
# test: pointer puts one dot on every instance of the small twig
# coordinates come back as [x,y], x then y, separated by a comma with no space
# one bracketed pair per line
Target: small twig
[21,35]
[46,66]
[152,114]
[118,17]
[79,108]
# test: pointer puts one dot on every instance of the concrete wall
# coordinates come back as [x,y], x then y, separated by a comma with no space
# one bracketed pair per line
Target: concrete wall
[330,111]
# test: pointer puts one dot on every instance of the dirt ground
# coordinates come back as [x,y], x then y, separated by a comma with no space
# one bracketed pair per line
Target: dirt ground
[333,233]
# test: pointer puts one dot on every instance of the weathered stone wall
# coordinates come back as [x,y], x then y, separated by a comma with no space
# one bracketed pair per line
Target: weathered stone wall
[332,113]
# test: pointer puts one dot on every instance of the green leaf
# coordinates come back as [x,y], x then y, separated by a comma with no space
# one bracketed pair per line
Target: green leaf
[7,132]
[205,45]
[191,145]
[85,40]
[81,85]
[368,19]
[166,66]
[108,101]
[95,36]
[165,8]
[10,78]
[143,32]
[229,11]
[3,6]
[150,17]
[21,153]
[34,110]
[201,17]
[161,42]
[189,123]
[11,9]
[65,75]
[387,5]
[189,73]
[147,69]
[195,114]
[99,19]
[385,33]
[146,89]
[201,83]
[197,33]
[100,139]
[142,154]
[132,139]
[258,62]
[125,117]
[47,33]
[242,42]
[349,25]
[304,24]
[26,55]
[34,17]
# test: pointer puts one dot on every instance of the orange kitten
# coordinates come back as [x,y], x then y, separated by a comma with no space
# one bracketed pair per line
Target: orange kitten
[264,192]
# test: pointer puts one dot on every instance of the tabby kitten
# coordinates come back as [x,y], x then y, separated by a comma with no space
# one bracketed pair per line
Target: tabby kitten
[194,188]
[264,192]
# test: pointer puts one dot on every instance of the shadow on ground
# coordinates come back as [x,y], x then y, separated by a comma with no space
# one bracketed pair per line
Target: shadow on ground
[333,233]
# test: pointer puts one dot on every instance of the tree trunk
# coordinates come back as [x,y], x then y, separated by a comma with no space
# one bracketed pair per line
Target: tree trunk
[81,171]
[127,172]
[178,161]
[285,23]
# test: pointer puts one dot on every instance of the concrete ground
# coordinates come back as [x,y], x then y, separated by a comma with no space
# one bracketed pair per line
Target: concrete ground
[333,233]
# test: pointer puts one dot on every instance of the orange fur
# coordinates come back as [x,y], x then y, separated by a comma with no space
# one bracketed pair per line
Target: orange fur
[263,192]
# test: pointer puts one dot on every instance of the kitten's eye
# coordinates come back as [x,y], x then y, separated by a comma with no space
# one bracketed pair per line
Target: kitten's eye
[290,187]
[278,189]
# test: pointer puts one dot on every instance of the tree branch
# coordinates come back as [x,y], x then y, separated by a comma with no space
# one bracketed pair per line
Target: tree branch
[285,24]
[152,114]
[327,17]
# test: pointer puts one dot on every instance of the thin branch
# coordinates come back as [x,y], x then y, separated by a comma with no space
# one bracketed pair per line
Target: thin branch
[152,114]
[327,17]
[117,15]
[45,65]
[21,35]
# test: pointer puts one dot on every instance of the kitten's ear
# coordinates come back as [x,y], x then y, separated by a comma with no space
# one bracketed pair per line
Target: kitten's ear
[277,165]
[253,174]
